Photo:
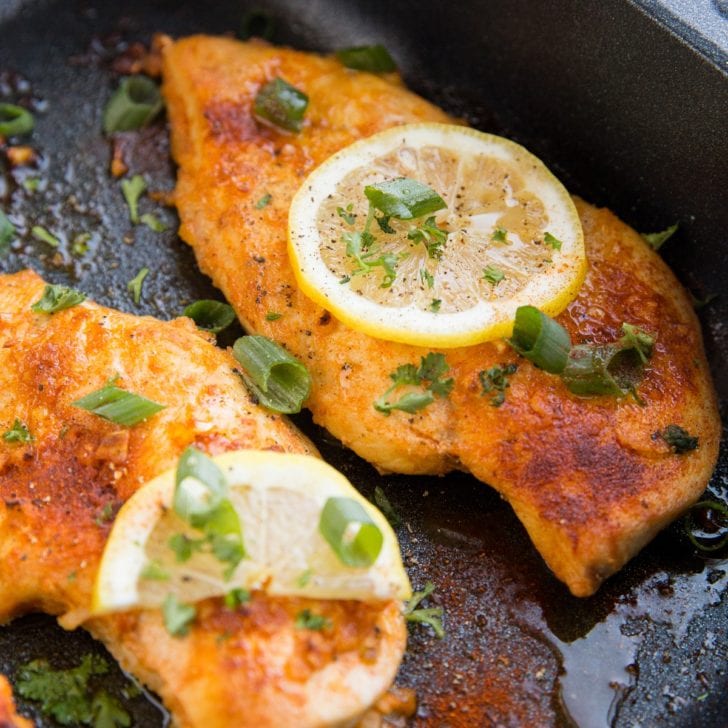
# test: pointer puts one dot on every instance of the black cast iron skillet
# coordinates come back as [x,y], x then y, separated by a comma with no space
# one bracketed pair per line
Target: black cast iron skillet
[629,115]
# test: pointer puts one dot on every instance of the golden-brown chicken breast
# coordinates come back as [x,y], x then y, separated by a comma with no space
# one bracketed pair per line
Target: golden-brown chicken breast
[8,716]
[61,485]
[588,477]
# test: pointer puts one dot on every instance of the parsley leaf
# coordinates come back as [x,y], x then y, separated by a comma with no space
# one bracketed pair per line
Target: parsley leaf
[635,338]
[347,215]
[426,277]
[63,694]
[656,240]
[134,286]
[57,298]
[133,189]
[263,201]
[432,368]
[495,380]
[679,439]
[493,275]
[435,305]
[551,241]
[431,616]
[153,222]
[177,616]
[306,619]
[40,233]
[108,712]
[18,433]
[500,235]
[431,236]
[384,225]
[235,597]
[386,507]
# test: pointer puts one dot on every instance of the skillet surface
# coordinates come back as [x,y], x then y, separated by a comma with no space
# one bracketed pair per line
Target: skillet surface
[652,646]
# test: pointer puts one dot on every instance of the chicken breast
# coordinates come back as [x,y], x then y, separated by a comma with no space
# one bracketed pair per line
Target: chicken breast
[8,716]
[589,478]
[59,493]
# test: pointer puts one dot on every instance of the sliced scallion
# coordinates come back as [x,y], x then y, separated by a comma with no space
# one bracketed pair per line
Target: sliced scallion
[588,371]
[706,525]
[15,120]
[134,104]
[57,298]
[118,406]
[373,58]
[350,532]
[200,487]
[540,339]
[404,198]
[275,377]
[212,316]
[281,104]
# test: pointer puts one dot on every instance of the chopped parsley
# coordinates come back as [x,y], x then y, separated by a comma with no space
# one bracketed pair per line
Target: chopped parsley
[679,439]
[235,597]
[65,695]
[431,236]
[264,201]
[273,316]
[386,507]
[426,277]
[57,298]
[18,433]
[435,305]
[640,341]
[153,223]
[552,241]
[358,247]
[431,616]
[493,275]
[347,215]
[656,240]
[304,578]
[40,233]
[105,515]
[177,616]
[133,189]
[495,381]
[428,377]
[306,619]
[80,245]
[134,286]
[154,571]
[500,235]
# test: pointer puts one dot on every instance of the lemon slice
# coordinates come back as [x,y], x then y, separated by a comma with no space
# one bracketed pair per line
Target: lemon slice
[279,499]
[513,237]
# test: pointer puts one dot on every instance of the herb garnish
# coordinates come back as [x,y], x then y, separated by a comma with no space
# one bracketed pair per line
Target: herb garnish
[133,105]
[342,517]
[235,597]
[18,433]
[435,305]
[495,380]
[679,439]
[306,619]
[7,232]
[40,233]
[134,286]
[386,507]
[493,275]
[118,405]
[213,316]
[347,215]
[57,298]
[153,222]
[177,616]
[273,316]
[428,376]
[656,240]
[427,277]
[15,120]
[431,615]
[154,571]
[551,241]
[65,694]
[500,235]
[431,236]
[372,58]
[133,189]
[281,104]
[263,201]
[706,525]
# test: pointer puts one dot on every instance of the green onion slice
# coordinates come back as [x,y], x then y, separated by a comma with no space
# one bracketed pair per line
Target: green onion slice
[706,525]
[15,120]
[200,487]
[40,233]
[134,104]
[540,339]
[275,377]
[373,58]
[404,198]
[281,104]
[117,405]
[212,316]
[588,371]
[57,298]
[350,532]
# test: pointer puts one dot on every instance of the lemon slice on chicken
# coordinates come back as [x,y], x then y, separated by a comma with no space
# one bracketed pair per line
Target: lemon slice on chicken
[507,234]
[291,509]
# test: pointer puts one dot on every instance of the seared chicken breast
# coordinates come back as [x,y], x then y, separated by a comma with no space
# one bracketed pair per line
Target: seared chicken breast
[590,478]
[60,489]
